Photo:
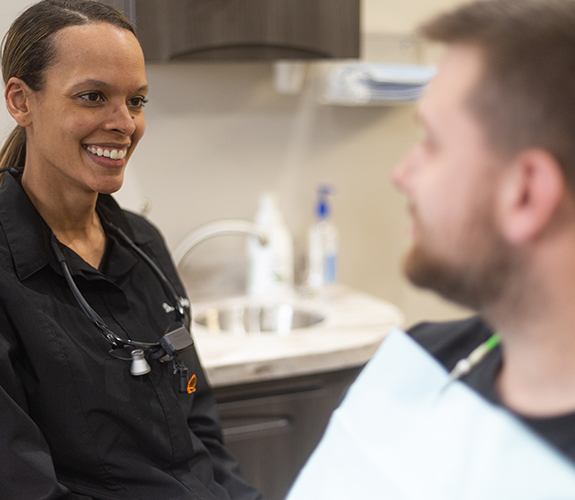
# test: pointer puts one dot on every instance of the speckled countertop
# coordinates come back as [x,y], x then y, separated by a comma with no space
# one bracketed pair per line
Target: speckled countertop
[355,325]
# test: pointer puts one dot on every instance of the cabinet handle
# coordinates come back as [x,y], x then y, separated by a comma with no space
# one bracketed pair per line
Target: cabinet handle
[304,53]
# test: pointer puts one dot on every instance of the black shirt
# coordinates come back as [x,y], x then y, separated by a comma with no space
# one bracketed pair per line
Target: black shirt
[451,341]
[74,423]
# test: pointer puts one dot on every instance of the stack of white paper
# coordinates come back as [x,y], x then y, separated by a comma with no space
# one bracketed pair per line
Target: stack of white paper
[368,83]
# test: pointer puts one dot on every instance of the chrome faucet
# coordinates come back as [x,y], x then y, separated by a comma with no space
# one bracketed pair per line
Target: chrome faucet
[216,228]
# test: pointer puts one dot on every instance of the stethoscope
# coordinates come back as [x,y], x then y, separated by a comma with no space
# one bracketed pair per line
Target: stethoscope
[167,348]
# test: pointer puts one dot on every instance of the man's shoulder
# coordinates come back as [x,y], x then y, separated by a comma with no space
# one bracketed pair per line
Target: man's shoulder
[451,341]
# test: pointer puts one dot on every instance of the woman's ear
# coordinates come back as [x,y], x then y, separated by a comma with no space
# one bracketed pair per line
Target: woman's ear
[17,95]
[531,194]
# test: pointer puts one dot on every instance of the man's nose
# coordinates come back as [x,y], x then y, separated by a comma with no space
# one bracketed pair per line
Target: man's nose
[401,172]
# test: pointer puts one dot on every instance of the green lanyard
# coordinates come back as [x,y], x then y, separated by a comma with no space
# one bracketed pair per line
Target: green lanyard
[465,365]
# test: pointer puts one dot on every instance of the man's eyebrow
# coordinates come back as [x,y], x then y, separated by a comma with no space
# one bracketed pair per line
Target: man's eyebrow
[99,84]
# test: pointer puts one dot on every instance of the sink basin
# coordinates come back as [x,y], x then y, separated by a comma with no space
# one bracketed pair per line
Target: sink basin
[244,319]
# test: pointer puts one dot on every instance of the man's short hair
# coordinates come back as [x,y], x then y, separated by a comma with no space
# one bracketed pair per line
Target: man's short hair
[526,95]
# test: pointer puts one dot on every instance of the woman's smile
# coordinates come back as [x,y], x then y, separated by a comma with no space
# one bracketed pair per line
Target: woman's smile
[107,156]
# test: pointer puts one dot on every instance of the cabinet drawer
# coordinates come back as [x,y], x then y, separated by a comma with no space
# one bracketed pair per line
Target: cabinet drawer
[271,428]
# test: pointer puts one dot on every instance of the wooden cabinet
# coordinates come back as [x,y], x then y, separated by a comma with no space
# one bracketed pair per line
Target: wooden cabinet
[272,427]
[128,7]
[245,29]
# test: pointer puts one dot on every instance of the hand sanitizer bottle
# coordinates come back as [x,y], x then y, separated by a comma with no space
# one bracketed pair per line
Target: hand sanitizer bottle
[322,245]
[270,264]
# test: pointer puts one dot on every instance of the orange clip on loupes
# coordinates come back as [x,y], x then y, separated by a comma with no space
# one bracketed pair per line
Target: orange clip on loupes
[191,387]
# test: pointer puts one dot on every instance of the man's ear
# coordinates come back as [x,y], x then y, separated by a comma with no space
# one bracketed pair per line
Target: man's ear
[17,95]
[532,190]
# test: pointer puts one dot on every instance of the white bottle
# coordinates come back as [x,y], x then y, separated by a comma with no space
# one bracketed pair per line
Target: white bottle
[271,264]
[322,245]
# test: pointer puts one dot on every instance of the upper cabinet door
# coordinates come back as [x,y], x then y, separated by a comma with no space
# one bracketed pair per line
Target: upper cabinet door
[245,29]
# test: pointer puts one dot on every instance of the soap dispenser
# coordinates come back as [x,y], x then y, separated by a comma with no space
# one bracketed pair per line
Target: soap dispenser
[270,263]
[322,244]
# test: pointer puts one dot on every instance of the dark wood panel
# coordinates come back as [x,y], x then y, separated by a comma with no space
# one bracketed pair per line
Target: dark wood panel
[236,29]
[128,7]
[272,427]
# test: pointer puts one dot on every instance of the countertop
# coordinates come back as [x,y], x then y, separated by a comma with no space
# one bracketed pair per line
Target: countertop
[355,325]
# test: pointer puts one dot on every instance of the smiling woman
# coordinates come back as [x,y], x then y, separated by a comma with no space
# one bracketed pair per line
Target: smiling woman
[92,111]
[86,286]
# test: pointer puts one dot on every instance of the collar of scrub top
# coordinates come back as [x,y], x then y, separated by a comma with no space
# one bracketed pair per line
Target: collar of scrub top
[28,236]
[168,345]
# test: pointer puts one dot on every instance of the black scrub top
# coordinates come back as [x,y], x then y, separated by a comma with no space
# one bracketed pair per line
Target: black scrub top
[74,423]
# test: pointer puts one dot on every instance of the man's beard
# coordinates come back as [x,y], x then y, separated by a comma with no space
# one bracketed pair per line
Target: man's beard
[476,280]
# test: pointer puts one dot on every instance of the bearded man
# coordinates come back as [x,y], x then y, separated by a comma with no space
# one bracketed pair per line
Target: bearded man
[487,408]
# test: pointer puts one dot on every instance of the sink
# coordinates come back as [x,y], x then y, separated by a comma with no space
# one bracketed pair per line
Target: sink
[280,318]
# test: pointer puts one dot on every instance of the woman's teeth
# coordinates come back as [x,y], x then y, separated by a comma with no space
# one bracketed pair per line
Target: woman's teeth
[113,154]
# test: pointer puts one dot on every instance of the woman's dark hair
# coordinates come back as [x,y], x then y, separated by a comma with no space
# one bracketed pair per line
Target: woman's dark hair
[28,49]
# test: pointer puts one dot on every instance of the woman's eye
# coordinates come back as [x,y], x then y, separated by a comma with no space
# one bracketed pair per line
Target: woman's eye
[137,102]
[92,97]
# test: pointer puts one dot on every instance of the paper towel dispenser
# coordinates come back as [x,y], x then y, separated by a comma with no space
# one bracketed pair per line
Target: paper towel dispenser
[245,29]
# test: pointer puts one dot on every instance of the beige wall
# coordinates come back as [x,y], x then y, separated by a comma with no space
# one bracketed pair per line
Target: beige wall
[219,134]
[397,16]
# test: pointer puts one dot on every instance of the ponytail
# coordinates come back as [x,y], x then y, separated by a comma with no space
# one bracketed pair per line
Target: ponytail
[13,152]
